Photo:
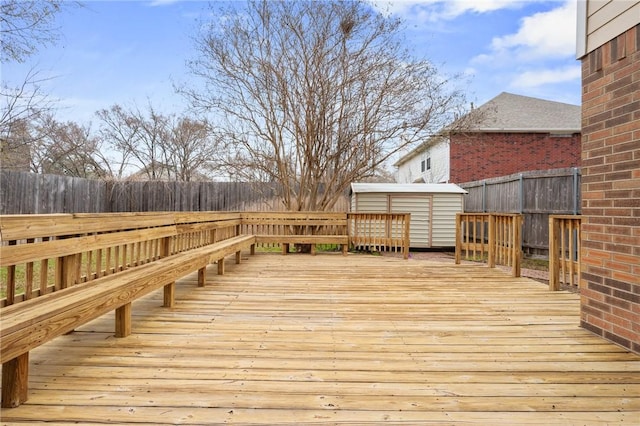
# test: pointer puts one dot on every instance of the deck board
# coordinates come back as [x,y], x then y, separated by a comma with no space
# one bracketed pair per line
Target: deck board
[333,339]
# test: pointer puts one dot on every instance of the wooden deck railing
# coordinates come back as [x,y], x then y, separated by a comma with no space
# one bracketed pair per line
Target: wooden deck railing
[294,223]
[369,231]
[495,238]
[564,250]
[37,260]
[380,231]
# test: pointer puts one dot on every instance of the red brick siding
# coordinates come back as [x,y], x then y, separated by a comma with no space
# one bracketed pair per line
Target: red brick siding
[479,156]
[610,305]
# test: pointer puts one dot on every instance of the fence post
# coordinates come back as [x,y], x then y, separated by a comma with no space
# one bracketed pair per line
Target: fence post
[491,261]
[575,190]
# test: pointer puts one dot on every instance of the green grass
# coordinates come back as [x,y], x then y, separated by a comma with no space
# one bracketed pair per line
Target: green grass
[535,264]
[21,277]
[319,248]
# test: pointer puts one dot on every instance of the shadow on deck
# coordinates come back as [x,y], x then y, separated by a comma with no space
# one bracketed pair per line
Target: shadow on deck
[332,339]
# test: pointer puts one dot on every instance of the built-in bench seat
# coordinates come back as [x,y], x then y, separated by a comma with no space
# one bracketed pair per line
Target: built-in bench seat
[79,298]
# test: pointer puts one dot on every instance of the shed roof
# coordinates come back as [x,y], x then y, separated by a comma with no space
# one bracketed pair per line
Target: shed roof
[441,188]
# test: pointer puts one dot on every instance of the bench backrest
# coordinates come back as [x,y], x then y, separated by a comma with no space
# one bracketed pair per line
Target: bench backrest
[294,223]
[40,254]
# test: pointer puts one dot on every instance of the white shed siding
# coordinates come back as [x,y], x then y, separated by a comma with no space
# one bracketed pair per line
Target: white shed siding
[420,208]
[370,202]
[443,219]
[433,208]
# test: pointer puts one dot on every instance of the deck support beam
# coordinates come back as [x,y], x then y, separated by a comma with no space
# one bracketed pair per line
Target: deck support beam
[202,272]
[169,295]
[123,320]
[15,381]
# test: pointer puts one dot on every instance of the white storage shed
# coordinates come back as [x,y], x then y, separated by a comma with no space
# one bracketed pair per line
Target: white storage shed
[433,208]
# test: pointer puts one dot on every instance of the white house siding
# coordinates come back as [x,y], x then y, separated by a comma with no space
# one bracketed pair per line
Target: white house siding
[443,219]
[420,208]
[605,20]
[411,170]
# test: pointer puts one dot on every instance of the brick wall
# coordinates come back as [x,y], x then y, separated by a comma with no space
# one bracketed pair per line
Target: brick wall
[611,190]
[486,155]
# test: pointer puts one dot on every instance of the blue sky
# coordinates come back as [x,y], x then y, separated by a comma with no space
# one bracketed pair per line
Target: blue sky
[131,52]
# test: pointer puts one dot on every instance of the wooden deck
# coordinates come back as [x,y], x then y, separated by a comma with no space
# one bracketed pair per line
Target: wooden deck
[333,339]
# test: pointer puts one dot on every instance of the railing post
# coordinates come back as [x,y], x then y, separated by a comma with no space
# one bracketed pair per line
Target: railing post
[491,258]
[169,291]
[554,270]
[517,245]
[407,234]
[458,237]
[349,229]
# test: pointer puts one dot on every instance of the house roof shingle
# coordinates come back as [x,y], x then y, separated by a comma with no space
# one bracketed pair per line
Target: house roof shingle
[515,113]
[510,113]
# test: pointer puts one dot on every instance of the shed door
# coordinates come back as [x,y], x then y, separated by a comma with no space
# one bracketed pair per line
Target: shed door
[420,208]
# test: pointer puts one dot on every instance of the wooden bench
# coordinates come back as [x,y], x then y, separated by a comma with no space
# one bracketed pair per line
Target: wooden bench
[152,257]
[286,240]
[286,228]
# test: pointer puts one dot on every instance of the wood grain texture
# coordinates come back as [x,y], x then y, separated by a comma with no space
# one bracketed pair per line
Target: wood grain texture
[338,339]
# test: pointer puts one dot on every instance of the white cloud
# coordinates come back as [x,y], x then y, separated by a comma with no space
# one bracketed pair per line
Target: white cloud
[155,3]
[550,34]
[536,78]
[438,10]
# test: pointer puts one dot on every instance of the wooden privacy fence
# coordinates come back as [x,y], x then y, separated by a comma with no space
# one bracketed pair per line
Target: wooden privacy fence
[496,238]
[31,193]
[534,194]
[564,250]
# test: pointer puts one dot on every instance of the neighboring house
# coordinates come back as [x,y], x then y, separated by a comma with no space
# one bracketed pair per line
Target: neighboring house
[609,48]
[509,134]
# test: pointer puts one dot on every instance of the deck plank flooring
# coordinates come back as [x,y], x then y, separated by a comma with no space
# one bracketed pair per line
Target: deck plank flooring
[339,340]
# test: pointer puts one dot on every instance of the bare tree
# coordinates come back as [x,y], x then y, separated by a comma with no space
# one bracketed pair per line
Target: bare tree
[21,103]
[315,95]
[64,149]
[157,146]
[194,150]
[25,27]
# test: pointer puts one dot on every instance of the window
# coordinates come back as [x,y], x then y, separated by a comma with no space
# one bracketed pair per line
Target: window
[428,163]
